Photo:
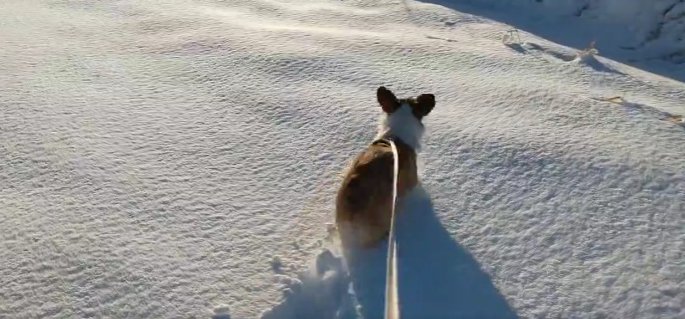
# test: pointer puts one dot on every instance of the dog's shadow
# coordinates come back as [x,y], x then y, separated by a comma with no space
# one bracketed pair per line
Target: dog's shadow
[438,278]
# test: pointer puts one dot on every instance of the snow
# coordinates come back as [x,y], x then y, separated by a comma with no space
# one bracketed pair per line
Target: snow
[648,34]
[179,158]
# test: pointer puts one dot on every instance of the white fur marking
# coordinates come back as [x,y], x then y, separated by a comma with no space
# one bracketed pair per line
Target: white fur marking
[403,125]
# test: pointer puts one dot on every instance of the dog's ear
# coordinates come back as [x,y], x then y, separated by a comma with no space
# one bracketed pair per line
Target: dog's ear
[424,104]
[387,100]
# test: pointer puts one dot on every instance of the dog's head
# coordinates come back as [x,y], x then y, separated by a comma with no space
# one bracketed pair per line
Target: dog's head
[420,105]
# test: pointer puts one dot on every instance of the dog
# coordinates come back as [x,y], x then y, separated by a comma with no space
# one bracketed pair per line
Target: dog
[364,201]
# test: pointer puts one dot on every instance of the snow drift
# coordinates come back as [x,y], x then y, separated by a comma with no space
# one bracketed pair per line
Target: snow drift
[651,28]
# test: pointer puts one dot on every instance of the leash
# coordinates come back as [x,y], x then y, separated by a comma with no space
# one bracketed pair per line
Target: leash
[392,308]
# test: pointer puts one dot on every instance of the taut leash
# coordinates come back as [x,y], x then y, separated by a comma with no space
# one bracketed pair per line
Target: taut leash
[392,308]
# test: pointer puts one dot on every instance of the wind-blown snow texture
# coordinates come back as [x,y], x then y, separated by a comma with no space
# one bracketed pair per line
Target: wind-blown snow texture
[179,159]
[652,28]
[648,34]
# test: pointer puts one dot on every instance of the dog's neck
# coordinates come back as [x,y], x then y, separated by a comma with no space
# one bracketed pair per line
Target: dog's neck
[403,125]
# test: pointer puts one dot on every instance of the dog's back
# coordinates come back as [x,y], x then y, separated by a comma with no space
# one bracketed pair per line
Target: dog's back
[364,202]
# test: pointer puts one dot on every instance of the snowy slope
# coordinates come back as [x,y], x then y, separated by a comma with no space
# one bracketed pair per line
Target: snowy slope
[645,28]
[179,159]
[648,34]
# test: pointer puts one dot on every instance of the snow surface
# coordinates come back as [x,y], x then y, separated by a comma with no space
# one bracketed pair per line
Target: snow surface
[649,34]
[180,159]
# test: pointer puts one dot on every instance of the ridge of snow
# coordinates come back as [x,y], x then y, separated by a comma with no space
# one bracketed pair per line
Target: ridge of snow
[655,28]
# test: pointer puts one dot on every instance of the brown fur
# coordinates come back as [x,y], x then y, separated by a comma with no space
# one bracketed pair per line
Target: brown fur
[364,200]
